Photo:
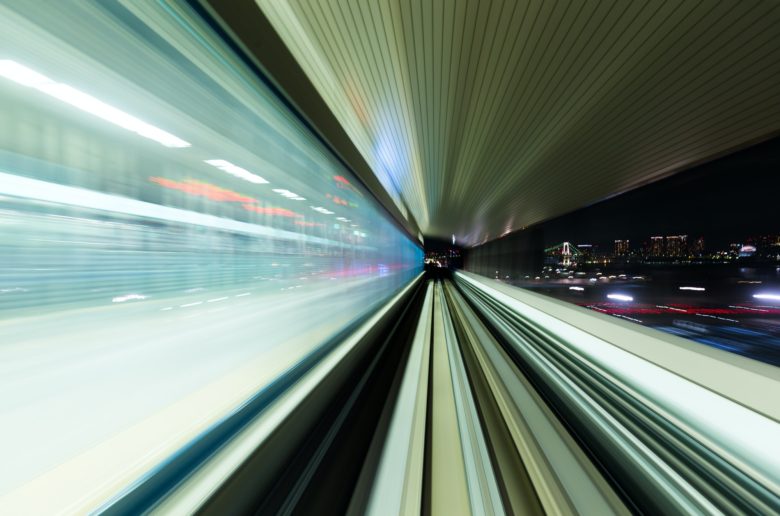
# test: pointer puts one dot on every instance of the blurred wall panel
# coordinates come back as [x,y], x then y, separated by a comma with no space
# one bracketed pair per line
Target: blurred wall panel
[165,222]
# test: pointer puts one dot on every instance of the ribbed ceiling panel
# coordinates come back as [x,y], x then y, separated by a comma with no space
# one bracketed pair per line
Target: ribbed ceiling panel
[488,116]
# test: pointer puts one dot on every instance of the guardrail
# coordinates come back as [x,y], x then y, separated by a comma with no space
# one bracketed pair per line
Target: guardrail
[668,443]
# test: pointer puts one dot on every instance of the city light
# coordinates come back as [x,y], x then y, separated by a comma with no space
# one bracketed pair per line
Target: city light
[697,289]
[620,297]
[235,170]
[32,79]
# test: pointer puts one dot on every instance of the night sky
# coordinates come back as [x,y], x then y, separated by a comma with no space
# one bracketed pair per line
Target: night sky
[724,200]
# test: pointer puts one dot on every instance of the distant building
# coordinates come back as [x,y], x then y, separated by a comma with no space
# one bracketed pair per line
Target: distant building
[621,247]
[697,247]
[586,250]
[657,246]
[676,246]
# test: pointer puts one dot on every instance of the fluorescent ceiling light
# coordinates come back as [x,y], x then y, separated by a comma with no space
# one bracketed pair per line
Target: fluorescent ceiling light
[235,170]
[32,79]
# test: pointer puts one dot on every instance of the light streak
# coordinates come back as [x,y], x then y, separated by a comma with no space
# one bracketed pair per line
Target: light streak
[289,194]
[772,297]
[281,212]
[127,297]
[236,171]
[202,189]
[85,102]
[672,308]
[748,308]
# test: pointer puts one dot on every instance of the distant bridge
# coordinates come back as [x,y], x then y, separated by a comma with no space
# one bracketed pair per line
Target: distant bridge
[568,252]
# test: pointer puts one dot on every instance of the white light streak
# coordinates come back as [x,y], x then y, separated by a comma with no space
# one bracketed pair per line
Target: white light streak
[697,289]
[580,289]
[620,297]
[216,299]
[773,297]
[719,318]
[748,308]
[235,170]
[671,308]
[196,303]
[322,210]
[85,102]
[289,194]
[127,297]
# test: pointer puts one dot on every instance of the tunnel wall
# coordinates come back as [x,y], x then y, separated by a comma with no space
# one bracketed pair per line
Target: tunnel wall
[517,254]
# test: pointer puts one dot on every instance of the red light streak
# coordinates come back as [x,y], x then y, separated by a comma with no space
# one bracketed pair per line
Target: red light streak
[201,189]
[280,212]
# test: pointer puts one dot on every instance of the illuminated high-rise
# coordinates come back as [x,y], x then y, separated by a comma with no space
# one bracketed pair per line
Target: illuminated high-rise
[697,246]
[656,246]
[621,247]
[676,246]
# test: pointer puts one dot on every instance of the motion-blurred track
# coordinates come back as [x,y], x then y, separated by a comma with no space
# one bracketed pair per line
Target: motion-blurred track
[453,400]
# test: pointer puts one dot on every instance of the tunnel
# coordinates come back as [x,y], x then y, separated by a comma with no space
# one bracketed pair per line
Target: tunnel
[389,257]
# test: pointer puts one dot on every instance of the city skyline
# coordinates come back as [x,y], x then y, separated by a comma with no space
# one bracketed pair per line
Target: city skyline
[704,201]
[660,245]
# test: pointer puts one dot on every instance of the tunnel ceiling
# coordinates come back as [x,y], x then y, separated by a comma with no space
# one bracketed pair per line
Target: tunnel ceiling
[483,117]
